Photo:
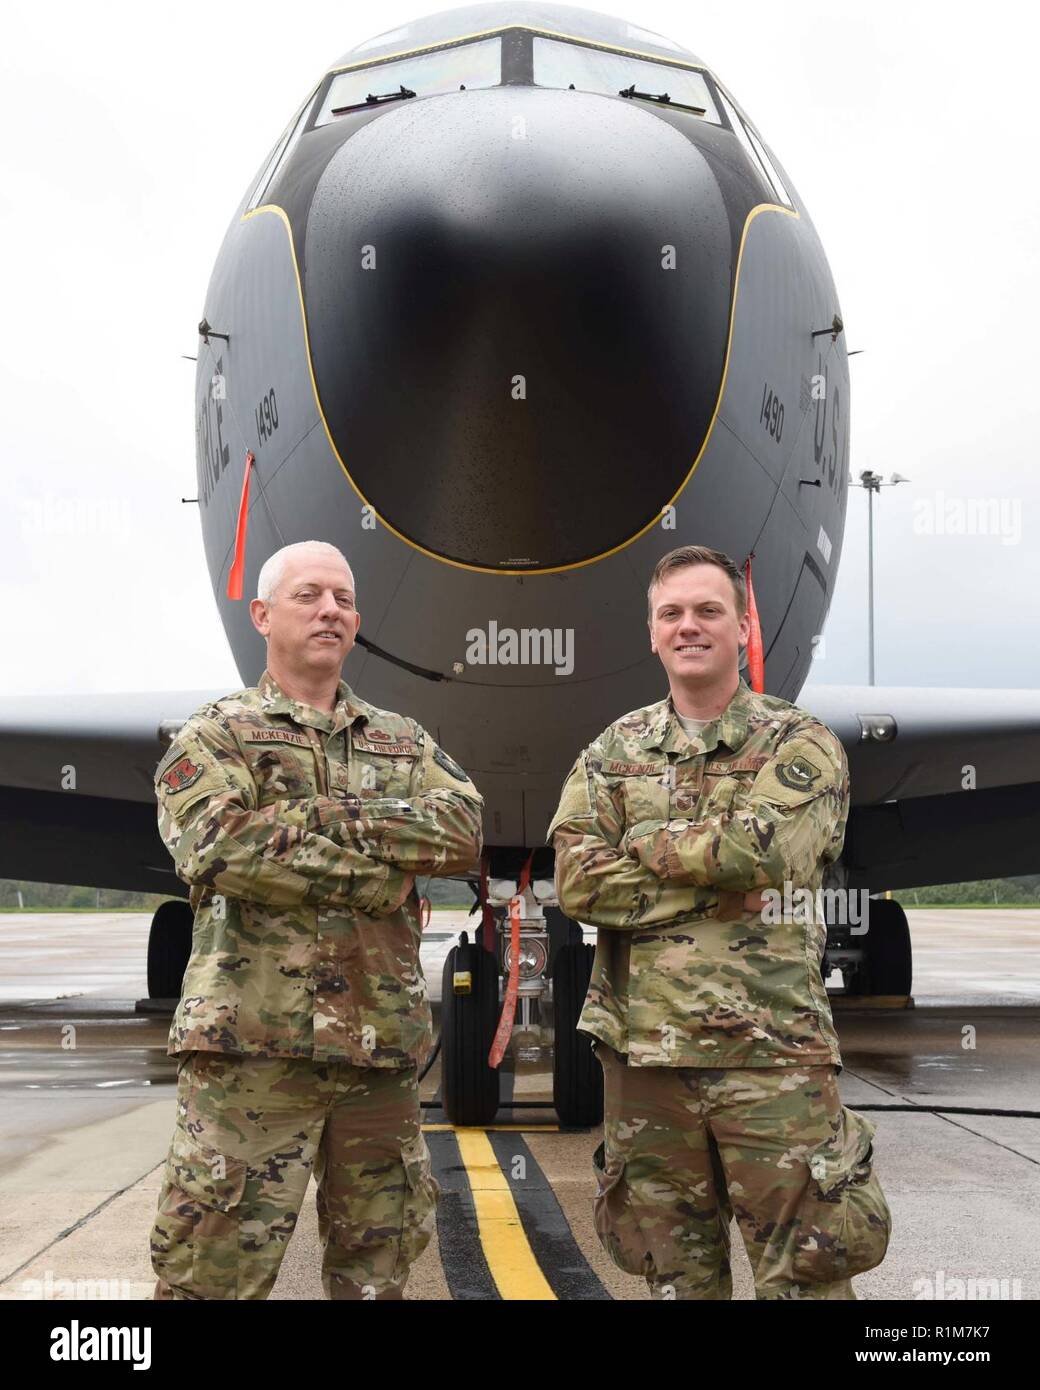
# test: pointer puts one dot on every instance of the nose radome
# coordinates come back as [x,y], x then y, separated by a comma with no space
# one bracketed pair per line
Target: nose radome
[517,304]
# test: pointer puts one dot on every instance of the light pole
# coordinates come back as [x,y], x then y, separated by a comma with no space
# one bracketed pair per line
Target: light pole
[872,482]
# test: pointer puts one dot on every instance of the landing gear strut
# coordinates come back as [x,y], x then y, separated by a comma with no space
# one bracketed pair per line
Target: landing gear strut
[552,971]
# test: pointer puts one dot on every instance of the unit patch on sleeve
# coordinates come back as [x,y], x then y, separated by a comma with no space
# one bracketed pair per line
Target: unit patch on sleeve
[799,774]
[181,774]
[449,765]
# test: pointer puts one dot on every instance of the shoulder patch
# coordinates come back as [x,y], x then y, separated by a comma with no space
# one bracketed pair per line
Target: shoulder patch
[181,774]
[449,765]
[797,773]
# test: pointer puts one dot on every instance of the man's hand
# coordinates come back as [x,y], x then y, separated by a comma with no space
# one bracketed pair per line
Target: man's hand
[636,840]
[790,820]
[352,805]
[638,844]
[433,827]
[732,905]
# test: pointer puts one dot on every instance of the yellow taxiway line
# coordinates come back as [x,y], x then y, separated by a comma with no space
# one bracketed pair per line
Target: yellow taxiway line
[510,1258]
[482,1129]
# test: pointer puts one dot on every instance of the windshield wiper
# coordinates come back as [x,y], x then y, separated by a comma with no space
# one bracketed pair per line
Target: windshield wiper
[662,98]
[371,100]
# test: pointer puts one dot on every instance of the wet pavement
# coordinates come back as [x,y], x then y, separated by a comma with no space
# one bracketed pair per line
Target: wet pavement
[88,1098]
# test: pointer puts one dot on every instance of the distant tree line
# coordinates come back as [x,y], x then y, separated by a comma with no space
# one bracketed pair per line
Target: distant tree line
[994,892]
[58,897]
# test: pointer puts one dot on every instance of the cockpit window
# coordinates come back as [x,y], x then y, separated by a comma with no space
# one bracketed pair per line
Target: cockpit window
[281,151]
[426,74]
[754,149]
[770,167]
[559,64]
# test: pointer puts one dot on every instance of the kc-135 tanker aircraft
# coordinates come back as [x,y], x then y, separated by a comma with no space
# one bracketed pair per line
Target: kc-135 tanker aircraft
[520,300]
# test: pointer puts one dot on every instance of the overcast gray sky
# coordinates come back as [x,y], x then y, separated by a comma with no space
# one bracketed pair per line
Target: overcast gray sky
[910,129]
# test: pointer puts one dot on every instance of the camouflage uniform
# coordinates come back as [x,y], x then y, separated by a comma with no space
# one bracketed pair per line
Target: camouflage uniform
[715,1033]
[304,1014]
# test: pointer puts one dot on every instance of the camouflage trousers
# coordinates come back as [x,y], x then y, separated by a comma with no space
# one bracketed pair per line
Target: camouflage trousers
[686,1148]
[249,1129]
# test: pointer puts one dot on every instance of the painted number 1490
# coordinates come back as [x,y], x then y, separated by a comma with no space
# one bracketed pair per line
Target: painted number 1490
[771,415]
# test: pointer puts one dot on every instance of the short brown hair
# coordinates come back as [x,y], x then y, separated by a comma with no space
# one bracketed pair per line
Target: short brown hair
[696,555]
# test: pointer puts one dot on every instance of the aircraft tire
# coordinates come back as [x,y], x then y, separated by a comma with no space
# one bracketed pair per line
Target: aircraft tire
[169,946]
[577,1077]
[469,1086]
[889,955]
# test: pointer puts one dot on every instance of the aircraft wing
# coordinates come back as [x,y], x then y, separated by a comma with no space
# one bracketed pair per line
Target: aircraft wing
[77,803]
[945,782]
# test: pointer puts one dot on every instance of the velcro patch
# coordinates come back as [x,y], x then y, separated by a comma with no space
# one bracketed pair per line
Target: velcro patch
[275,736]
[613,768]
[449,765]
[403,748]
[688,775]
[181,774]
[798,773]
[729,765]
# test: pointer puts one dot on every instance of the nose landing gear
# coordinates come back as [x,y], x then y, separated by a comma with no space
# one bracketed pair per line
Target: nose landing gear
[554,966]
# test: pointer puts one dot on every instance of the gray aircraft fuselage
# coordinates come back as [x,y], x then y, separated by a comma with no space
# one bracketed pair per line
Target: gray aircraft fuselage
[505,342]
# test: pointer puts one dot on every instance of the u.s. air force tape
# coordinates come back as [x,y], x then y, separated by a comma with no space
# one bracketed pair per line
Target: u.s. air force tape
[450,767]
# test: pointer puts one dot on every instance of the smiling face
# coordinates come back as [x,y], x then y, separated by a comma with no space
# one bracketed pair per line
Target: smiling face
[311,622]
[695,629]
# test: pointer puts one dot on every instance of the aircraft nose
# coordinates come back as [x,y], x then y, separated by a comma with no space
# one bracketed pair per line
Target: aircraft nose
[517,306]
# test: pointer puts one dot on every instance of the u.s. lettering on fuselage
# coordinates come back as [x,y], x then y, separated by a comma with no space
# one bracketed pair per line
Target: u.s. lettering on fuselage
[214,453]
[833,465]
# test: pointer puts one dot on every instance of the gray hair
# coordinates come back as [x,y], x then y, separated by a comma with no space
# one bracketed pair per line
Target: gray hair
[270,575]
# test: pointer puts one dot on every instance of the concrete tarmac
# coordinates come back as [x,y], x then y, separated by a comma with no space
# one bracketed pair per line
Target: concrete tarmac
[88,1103]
